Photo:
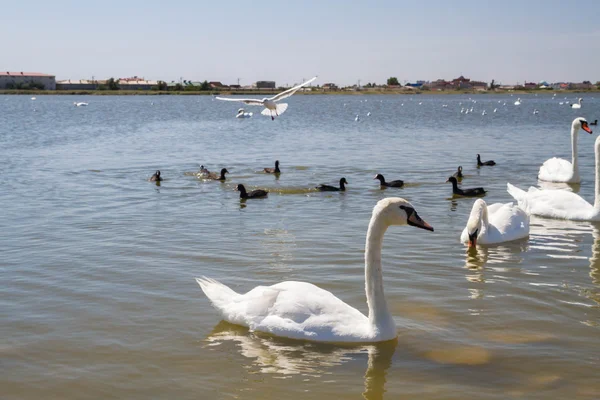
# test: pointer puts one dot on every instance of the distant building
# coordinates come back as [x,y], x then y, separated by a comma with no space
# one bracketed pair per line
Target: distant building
[330,86]
[530,85]
[18,80]
[78,84]
[440,84]
[265,85]
[136,83]
[236,87]
[216,85]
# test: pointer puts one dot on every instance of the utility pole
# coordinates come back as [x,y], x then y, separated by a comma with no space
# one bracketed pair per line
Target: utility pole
[238,79]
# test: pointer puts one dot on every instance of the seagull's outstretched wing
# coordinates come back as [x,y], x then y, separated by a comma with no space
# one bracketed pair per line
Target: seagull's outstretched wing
[252,102]
[291,91]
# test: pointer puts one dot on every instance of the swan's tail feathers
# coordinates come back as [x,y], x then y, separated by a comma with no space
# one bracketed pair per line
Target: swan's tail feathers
[517,193]
[219,295]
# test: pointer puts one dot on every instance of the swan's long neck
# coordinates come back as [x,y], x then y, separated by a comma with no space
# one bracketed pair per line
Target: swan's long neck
[597,151]
[379,315]
[574,135]
[478,218]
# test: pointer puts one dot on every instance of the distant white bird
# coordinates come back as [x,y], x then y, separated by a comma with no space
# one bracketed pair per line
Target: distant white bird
[369,114]
[357,118]
[243,114]
[272,109]
[483,113]
[561,102]
[535,111]
[578,104]
[462,110]
[518,102]
[504,104]
[471,109]
[33,98]
[495,109]
[420,102]
[76,104]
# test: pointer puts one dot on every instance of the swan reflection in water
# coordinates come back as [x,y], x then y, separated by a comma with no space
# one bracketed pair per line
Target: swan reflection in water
[595,260]
[276,355]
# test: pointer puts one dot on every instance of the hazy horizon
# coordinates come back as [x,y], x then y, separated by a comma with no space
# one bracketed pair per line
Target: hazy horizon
[340,42]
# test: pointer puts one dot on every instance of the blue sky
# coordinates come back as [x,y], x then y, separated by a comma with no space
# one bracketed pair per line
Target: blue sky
[341,41]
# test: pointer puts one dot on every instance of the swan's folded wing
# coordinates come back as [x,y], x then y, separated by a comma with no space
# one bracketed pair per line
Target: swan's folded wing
[291,91]
[511,221]
[252,102]
[560,204]
[305,311]
[556,170]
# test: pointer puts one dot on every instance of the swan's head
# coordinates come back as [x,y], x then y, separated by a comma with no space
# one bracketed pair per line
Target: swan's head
[397,211]
[344,181]
[474,222]
[380,177]
[581,123]
[240,188]
[224,171]
[240,111]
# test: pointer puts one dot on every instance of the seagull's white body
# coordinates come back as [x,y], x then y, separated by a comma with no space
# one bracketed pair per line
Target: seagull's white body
[76,104]
[33,98]
[271,107]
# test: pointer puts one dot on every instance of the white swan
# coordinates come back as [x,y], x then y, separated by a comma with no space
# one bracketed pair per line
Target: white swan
[301,310]
[560,204]
[272,109]
[494,224]
[578,104]
[243,114]
[561,170]
[80,104]
[518,102]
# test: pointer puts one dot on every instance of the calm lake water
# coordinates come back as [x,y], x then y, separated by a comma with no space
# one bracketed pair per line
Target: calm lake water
[98,297]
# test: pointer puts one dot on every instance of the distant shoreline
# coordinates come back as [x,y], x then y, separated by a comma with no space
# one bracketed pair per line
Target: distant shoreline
[366,92]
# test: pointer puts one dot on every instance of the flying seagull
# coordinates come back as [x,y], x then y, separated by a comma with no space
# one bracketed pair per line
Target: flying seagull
[272,109]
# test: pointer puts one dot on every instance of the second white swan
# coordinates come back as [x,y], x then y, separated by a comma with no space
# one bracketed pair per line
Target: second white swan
[497,223]
[301,310]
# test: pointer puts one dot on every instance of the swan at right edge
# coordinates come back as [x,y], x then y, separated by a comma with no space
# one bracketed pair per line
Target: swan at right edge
[560,204]
[301,310]
[560,170]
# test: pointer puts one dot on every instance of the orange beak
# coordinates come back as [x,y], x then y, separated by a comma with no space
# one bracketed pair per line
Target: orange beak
[586,128]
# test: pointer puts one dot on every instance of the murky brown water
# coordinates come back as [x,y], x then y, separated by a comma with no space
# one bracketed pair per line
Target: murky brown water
[98,298]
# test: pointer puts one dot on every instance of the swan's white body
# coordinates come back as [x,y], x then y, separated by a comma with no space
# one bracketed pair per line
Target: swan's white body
[560,204]
[497,223]
[561,170]
[578,104]
[243,114]
[518,102]
[80,104]
[271,107]
[301,310]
